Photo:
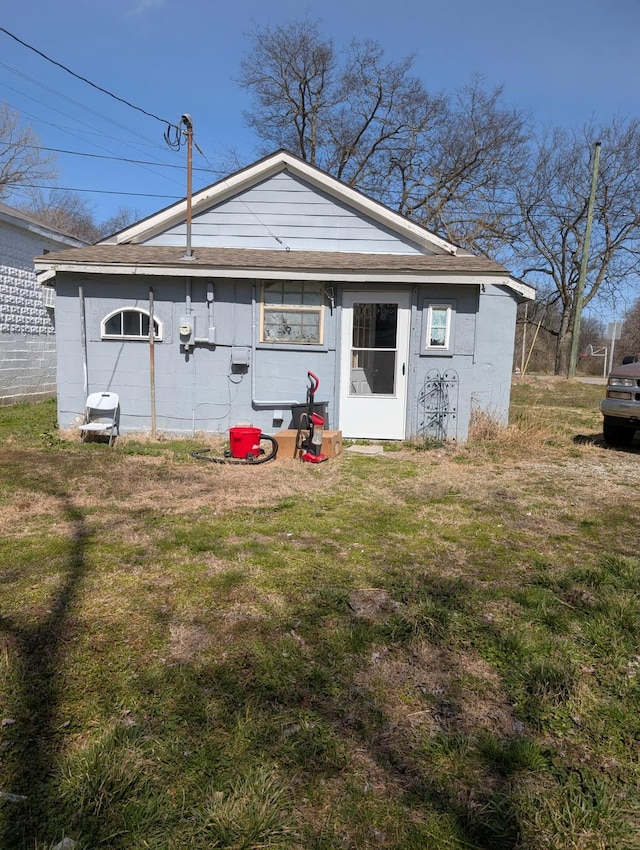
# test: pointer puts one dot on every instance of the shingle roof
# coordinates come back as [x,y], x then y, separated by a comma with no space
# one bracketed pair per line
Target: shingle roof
[256,259]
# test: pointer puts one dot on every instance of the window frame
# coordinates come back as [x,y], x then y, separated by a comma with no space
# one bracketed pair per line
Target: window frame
[429,308]
[130,337]
[49,297]
[315,309]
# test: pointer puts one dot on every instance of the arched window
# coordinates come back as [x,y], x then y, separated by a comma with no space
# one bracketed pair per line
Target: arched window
[129,323]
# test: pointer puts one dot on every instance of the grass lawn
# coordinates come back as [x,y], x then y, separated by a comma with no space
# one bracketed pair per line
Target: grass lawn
[432,649]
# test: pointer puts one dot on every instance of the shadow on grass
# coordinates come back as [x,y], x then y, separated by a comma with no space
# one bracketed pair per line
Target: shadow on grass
[281,705]
[37,653]
[599,441]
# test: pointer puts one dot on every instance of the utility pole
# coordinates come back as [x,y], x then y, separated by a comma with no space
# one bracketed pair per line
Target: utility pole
[577,310]
[524,337]
[186,120]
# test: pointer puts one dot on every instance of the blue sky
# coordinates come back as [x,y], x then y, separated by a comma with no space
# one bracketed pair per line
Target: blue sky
[567,61]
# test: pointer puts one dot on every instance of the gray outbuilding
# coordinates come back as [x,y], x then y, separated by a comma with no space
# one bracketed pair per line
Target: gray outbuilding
[280,269]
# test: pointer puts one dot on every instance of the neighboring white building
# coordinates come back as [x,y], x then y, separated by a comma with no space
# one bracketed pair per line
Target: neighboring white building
[27,326]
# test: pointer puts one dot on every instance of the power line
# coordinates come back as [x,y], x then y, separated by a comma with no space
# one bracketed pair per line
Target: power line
[101,147]
[59,94]
[96,191]
[116,158]
[85,80]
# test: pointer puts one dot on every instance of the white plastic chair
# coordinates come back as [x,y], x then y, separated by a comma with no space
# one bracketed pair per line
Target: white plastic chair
[101,416]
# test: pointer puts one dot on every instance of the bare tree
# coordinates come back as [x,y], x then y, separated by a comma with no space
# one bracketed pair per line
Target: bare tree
[372,123]
[290,72]
[70,213]
[465,165]
[629,344]
[22,163]
[460,183]
[552,204]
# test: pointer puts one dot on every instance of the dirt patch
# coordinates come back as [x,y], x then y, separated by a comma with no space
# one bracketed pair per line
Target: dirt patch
[371,603]
[435,690]
[187,640]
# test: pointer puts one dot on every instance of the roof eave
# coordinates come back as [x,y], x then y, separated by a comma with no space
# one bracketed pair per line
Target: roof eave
[355,275]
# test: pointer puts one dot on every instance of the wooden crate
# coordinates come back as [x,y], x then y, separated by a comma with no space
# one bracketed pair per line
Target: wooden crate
[331,443]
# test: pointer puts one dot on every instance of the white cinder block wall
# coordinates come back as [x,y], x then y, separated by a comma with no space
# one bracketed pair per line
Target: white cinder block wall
[27,327]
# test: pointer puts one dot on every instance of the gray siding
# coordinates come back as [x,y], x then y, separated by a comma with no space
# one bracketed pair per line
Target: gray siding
[200,390]
[494,353]
[197,390]
[301,216]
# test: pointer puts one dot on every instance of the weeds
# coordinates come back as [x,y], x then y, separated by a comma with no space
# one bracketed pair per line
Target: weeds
[248,814]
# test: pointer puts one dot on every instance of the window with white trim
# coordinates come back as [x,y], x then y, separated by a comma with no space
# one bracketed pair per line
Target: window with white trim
[49,297]
[292,312]
[129,323]
[438,327]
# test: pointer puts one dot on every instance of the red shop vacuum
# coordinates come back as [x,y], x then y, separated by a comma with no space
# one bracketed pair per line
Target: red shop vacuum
[309,436]
[244,447]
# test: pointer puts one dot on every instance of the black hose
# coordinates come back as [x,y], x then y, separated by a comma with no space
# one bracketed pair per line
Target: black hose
[250,460]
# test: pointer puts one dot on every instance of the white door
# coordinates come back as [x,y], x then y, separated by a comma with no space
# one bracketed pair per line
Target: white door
[373,364]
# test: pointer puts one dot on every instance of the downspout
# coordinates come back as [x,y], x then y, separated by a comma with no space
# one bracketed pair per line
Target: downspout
[83,341]
[187,296]
[254,333]
[210,305]
[188,310]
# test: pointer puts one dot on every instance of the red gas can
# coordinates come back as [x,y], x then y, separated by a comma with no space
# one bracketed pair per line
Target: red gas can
[244,441]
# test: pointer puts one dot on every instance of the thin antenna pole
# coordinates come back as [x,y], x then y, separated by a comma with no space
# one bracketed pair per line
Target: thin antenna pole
[577,309]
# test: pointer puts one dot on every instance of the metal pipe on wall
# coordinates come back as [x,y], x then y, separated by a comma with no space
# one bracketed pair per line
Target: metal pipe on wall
[152,364]
[83,341]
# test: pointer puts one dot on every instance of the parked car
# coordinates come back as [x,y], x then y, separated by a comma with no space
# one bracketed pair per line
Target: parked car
[621,405]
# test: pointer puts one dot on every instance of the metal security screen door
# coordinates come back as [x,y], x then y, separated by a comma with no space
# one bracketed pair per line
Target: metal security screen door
[374,347]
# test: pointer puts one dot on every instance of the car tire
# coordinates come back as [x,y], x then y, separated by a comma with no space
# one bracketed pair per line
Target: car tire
[617,435]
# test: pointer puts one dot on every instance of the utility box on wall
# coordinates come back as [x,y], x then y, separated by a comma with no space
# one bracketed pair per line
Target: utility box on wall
[240,355]
[187,330]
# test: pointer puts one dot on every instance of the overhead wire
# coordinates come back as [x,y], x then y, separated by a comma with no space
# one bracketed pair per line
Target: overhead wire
[96,191]
[71,100]
[173,134]
[66,115]
[85,79]
[114,158]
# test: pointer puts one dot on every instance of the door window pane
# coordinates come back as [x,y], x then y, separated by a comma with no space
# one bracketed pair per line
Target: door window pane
[373,373]
[373,354]
[375,325]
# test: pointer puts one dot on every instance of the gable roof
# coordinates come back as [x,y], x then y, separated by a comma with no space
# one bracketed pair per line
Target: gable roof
[125,253]
[271,165]
[17,218]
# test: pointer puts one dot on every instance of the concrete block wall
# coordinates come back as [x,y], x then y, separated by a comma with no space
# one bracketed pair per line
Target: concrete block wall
[27,330]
